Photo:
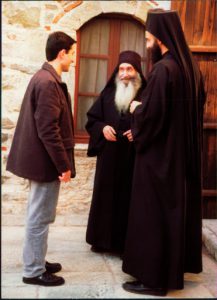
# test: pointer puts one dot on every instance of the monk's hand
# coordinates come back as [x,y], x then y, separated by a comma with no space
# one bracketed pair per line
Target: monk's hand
[109,133]
[66,176]
[133,105]
[129,135]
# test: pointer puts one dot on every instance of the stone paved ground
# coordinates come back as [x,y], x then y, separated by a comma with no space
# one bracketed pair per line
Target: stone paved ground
[87,275]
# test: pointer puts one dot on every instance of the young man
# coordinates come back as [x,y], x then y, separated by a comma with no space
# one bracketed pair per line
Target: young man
[164,229]
[111,141]
[42,151]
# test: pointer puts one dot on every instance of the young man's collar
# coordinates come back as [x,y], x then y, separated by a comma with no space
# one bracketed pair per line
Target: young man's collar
[48,67]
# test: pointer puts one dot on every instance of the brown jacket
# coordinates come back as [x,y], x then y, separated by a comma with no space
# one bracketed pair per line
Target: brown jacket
[43,142]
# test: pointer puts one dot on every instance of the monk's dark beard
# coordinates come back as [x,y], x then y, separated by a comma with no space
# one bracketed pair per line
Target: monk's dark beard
[155,53]
[125,93]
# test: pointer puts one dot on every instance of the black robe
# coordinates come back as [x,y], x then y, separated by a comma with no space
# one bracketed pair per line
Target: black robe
[108,216]
[164,228]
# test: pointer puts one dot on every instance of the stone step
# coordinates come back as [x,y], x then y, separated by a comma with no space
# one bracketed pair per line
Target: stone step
[210,236]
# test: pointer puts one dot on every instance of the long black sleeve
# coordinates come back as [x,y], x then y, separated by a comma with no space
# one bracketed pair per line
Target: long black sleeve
[149,117]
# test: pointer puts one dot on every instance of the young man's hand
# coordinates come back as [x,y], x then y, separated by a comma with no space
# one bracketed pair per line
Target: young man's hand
[66,176]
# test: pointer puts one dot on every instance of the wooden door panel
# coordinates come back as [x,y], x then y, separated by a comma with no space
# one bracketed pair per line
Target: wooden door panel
[208,66]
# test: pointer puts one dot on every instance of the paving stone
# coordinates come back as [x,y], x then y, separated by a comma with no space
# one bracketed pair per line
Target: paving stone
[191,290]
[19,293]
[119,292]
[76,291]
[114,263]
[77,261]
[12,279]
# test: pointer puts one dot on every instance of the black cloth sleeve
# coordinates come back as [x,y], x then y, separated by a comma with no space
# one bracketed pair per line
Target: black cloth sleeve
[149,117]
[94,127]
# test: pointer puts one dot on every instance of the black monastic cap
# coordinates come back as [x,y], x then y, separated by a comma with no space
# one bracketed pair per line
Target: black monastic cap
[130,57]
[165,25]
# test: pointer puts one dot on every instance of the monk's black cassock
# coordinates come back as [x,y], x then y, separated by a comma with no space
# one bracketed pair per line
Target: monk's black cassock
[164,228]
[113,178]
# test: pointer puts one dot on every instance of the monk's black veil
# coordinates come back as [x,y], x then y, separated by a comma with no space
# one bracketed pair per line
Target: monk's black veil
[166,26]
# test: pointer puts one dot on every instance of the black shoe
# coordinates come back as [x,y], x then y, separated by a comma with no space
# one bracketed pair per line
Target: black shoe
[52,267]
[45,279]
[139,288]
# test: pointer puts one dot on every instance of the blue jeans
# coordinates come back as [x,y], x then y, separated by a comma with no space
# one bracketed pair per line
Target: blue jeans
[41,211]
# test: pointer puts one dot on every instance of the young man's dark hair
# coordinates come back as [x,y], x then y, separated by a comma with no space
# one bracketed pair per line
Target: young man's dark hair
[57,41]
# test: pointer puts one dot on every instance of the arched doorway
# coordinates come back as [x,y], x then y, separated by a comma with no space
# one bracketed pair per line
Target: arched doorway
[99,43]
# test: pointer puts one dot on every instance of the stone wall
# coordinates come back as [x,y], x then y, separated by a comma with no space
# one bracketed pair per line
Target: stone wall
[25,28]
[74,200]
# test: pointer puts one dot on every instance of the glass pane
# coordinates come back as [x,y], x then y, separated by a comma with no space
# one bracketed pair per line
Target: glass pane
[84,103]
[93,75]
[95,37]
[132,37]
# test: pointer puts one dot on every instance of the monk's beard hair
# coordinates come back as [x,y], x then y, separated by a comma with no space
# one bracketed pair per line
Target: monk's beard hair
[125,93]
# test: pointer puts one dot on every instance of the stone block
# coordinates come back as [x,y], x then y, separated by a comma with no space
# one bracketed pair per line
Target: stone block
[15,77]
[142,10]
[4,137]
[128,7]
[11,103]
[78,16]
[22,13]
[49,17]
[28,50]
[7,123]
[51,6]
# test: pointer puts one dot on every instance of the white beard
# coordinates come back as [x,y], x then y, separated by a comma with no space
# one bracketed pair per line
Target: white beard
[126,93]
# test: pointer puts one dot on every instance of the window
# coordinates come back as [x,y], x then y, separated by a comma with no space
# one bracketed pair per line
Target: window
[99,43]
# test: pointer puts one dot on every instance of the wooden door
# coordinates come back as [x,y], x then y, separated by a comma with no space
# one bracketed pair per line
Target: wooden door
[199,23]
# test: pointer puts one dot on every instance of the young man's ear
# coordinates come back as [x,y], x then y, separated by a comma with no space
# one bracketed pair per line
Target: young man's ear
[62,53]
